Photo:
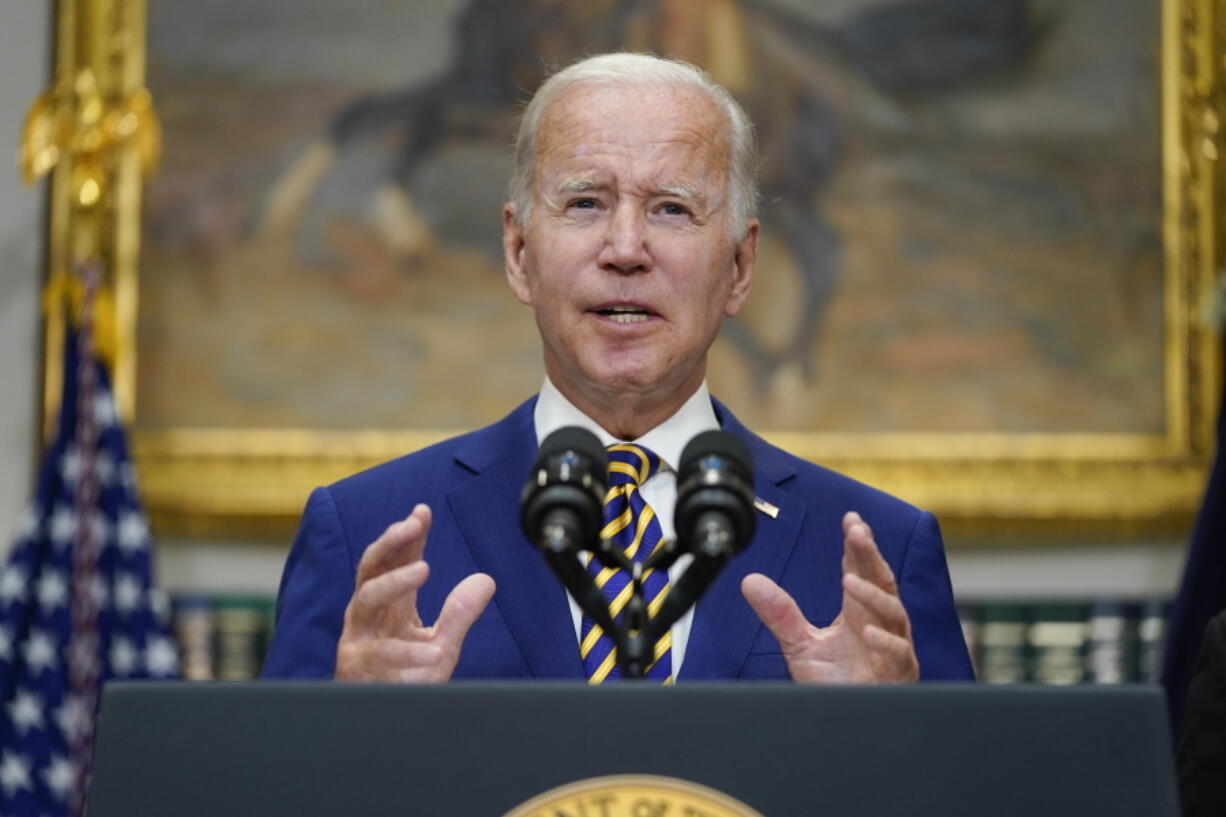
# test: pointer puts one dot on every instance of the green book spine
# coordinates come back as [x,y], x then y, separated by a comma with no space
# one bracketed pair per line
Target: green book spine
[1056,643]
[1111,652]
[242,636]
[1002,643]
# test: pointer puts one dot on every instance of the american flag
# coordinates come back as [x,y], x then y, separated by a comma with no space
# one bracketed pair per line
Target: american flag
[77,602]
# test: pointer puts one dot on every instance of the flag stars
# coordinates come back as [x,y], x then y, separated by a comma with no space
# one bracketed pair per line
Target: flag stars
[87,516]
[39,652]
[26,711]
[52,591]
[127,593]
[133,532]
[104,411]
[14,773]
[63,526]
[124,657]
[12,584]
[161,658]
[70,465]
[60,777]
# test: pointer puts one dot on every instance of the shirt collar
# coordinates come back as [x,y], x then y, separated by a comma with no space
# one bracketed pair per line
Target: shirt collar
[554,411]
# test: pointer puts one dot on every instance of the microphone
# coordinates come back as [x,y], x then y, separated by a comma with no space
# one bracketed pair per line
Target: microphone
[714,510]
[714,518]
[561,511]
[714,515]
[561,504]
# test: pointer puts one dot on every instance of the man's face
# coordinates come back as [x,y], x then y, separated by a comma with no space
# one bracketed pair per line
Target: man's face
[628,257]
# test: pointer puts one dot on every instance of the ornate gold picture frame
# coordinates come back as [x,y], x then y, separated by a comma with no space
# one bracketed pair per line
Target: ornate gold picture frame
[95,131]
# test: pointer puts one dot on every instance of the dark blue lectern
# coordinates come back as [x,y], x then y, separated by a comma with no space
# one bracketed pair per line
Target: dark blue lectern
[470,750]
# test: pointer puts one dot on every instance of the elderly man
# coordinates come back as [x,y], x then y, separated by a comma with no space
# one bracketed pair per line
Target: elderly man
[631,234]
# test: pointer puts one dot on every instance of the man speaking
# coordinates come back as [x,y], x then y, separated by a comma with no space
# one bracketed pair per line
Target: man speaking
[630,231]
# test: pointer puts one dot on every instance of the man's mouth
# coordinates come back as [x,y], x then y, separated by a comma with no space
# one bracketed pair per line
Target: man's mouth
[626,314]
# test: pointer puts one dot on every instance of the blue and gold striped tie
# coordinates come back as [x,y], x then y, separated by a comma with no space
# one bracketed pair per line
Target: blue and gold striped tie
[631,524]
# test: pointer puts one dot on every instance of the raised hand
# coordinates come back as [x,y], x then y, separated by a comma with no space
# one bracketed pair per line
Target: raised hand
[870,640]
[383,638]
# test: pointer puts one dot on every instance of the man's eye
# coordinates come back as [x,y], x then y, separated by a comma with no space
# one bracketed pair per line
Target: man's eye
[584,204]
[673,209]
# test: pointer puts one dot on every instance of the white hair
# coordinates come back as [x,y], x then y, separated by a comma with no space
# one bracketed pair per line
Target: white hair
[644,70]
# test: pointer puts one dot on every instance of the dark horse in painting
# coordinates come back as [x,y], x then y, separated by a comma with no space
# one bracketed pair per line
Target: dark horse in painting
[789,72]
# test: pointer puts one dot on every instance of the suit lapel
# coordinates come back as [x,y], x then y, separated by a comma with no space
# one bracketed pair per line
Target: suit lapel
[724,626]
[529,597]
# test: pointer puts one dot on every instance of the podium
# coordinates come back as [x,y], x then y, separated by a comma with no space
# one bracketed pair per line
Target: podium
[782,750]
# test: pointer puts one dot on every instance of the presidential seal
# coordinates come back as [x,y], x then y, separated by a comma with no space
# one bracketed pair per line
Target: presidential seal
[633,795]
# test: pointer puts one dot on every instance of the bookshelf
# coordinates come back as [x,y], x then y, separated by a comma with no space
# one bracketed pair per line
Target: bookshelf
[1106,640]
[1042,609]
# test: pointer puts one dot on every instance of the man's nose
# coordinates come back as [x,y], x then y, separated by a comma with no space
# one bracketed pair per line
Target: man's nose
[625,247]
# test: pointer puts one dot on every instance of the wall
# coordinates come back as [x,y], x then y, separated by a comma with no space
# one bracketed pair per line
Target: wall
[24,28]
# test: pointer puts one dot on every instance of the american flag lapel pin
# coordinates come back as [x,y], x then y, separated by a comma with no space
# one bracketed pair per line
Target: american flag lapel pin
[765,507]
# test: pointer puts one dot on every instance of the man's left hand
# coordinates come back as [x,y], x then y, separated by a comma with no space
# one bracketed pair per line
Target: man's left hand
[869,642]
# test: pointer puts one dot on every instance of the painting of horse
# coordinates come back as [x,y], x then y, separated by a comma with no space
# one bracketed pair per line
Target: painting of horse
[961,208]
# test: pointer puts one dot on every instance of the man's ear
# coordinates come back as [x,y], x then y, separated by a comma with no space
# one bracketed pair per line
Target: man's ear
[513,253]
[743,260]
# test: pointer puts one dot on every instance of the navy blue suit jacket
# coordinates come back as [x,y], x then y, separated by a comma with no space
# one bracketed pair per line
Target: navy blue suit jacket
[472,484]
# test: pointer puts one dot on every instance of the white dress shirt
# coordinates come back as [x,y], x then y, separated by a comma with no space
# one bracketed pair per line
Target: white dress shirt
[554,411]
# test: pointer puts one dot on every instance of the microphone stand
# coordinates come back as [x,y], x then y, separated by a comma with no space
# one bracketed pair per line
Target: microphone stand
[633,645]
[635,638]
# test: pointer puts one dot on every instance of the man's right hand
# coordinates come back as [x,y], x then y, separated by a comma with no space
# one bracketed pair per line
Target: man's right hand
[383,638]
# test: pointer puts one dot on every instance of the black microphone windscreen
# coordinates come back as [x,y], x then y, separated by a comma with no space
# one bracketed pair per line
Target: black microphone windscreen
[721,444]
[573,438]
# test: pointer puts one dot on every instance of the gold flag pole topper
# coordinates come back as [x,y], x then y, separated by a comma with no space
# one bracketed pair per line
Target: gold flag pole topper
[95,130]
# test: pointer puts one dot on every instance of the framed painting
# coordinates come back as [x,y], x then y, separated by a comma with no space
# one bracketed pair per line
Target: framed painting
[991,232]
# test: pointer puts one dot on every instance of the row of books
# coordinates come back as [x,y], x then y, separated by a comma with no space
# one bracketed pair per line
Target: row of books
[1105,641]
[222,637]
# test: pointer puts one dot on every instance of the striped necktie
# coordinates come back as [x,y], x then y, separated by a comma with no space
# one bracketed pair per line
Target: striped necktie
[632,525]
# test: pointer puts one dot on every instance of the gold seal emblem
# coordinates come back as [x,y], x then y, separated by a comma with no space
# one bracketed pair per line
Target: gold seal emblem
[633,795]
